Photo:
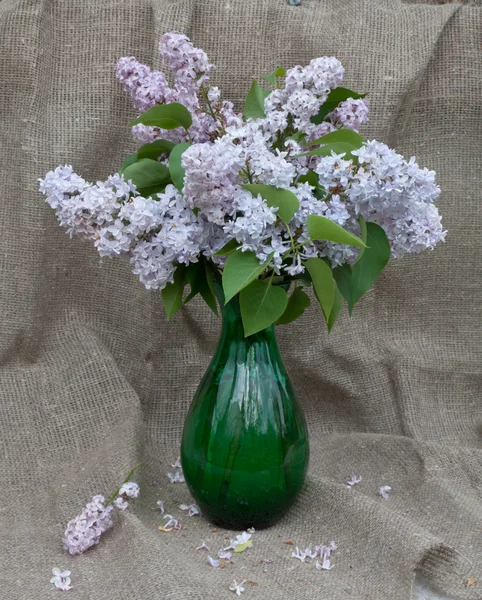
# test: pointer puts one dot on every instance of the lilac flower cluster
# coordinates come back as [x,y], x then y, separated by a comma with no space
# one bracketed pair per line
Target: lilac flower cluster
[158,233]
[153,234]
[85,530]
[190,68]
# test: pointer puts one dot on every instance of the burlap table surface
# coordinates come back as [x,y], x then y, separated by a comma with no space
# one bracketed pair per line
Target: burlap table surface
[94,380]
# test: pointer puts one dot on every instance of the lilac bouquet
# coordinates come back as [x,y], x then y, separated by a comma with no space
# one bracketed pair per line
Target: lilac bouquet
[285,195]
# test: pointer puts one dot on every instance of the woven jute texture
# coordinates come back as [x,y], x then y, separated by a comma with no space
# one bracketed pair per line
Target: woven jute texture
[93,380]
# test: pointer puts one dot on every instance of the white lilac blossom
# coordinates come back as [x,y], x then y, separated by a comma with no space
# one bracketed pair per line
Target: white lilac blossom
[238,588]
[224,554]
[159,506]
[213,562]
[317,551]
[126,492]
[384,490]
[354,480]
[176,477]
[85,530]
[203,546]
[177,463]
[325,564]
[191,509]
[240,540]
[61,579]
[171,522]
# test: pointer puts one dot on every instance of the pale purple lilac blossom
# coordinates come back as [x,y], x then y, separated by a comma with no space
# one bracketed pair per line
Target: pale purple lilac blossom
[384,490]
[170,521]
[159,506]
[238,588]
[224,554]
[354,480]
[127,491]
[85,530]
[203,546]
[213,562]
[61,579]
[191,509]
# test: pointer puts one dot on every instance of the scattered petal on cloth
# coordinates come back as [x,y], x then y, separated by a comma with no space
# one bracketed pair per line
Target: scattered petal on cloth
[325,565]
[383,491]
[353,481]
[251,530]
[238,588]
[294,2]
[159,506]
[176,477]
[61,579]
[177,464]
[213,562]
[191,509]
[240,542]
[171,522]
[203,546]
[298,554]
[224,554]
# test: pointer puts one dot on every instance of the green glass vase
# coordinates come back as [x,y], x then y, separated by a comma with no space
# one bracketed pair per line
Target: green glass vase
[244,448]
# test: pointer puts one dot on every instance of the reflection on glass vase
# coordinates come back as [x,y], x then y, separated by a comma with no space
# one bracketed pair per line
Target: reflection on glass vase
[245,445]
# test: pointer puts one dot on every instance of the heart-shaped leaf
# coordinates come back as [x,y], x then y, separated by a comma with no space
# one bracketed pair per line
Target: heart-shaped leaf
[155,149]
[322,228]
[165,116]
[297,304]
[147,173]
[254,105]
[240,270]
[323,284]
[175,167]
[261,305]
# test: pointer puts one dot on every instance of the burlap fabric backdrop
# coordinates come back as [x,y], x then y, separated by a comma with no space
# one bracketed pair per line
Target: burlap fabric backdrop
[93,380]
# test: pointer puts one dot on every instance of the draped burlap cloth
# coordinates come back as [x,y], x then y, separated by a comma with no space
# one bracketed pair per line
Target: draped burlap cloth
[93,379]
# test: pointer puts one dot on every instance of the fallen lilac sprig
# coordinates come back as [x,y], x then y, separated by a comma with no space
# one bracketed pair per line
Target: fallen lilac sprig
[383,491]
[353,481]
[61,579]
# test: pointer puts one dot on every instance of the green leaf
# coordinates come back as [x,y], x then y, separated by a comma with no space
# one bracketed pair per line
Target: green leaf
[146,173]
[297,304]
[261,305]
[240,270]
[197,278]
[321,228]
[129,160]
[210,279]
[323,284]
[311,177]
[370,265]
[254,105]
[172,293]
[284,200]
[336,147]
[165,116]
[343,278]
[228,248]
[175,168]
[335,311]
[154,149]
[334,98]
[347,136]
[271,78]
[363,235]
[243,547]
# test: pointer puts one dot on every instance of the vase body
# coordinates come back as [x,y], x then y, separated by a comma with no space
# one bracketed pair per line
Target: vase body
[244,448]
